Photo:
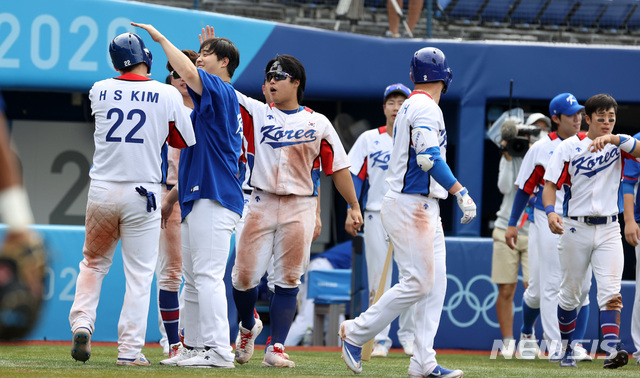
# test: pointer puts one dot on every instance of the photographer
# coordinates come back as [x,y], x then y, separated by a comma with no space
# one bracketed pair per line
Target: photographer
[506,261]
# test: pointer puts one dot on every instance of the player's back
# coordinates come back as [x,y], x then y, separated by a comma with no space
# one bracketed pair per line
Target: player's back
[132,116]
[405,176]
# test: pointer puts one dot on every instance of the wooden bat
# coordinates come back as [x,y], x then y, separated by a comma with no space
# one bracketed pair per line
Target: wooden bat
[368,347]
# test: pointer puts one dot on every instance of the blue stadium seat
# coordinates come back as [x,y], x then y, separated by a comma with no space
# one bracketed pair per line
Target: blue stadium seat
[463,10]
[617,13]
[496,11]
[588,14]
[331,290]
[528,11]
[558,12]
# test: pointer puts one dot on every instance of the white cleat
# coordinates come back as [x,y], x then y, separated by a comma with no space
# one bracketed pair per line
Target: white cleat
[207,358]
[581,354]
[276,357]
[183,354]
[528,347]
[408,347]
[140,360]
[245,341]
[380,349]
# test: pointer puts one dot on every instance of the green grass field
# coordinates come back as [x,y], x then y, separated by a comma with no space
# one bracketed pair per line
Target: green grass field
[55,361]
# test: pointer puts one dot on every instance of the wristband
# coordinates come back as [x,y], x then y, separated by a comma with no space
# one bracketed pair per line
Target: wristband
[549,209]
[15,208]
[627,143]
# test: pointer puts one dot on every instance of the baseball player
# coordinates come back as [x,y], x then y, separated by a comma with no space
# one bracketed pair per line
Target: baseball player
[589,229]
[541,296]
[418,178]
[22,257]
[169,267]
[631,173]
[287,143]
[210,197]
[134,117]
[369,158]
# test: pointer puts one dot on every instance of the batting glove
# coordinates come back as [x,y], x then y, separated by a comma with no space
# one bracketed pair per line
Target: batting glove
[151,198]
[466,204]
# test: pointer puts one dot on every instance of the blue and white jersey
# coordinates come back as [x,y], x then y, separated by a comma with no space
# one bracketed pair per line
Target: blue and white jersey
[405,176]
[369,158]
[210,168]
[630,175]
[594,178]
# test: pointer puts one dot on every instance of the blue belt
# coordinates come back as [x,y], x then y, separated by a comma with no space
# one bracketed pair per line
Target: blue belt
[595,220]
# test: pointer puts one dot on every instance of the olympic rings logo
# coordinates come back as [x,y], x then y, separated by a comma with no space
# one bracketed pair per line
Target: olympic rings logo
[473,301]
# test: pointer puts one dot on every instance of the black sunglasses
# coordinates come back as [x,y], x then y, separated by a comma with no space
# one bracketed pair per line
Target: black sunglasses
[175,75]
[277,76]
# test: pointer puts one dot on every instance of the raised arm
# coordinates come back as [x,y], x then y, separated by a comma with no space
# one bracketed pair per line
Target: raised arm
[180,62]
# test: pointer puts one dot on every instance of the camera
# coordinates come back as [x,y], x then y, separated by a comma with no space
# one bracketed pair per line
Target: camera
[516,135]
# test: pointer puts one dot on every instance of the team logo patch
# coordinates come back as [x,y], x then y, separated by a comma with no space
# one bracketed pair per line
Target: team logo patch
[590,166]
[426,206]
[270,117]
[277,137]
[572,229]
[370,217]
[380,159]
[312,124]
[257,198]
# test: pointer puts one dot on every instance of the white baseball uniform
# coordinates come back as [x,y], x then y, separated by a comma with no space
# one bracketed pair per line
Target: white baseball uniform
[594,192]
[134,116]
[411,215]
[287,150]
[544,265]
[369,158]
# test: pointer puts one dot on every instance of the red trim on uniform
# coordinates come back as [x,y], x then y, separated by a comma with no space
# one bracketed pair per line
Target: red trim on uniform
[363,171]
[626,155]
[175,139]
[565,178]
[326,155]
[567,327]
[133,77]
[420,92]
[308,109]
[382,129]
[247,130]
[610,329]
[553,135]
[581,135]
[537,177]
[170,315]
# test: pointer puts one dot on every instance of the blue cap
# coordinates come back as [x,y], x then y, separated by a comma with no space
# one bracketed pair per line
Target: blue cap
[564,103]
[396,88]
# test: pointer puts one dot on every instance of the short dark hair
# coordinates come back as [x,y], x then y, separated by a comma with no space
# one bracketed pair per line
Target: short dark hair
[192,55]
[167,80]
[600,101]
[223,48]
[293,67]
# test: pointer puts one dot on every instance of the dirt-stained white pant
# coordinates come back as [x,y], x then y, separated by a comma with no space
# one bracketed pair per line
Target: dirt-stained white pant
[206,240]
[376,246]
[545,277]
[581,244]
[115,211]
[275,226]
[415,228]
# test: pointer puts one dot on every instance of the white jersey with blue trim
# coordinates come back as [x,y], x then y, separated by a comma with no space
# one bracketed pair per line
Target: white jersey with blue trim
[405,176]
[595,178]
[134,116]
[369,158]
[287,150]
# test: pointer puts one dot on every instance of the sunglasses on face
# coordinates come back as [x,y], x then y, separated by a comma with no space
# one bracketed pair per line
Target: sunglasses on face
[175,75]
[277,76]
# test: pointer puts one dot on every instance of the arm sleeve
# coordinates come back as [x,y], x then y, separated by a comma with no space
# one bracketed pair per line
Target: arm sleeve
[440,170]
[519,203]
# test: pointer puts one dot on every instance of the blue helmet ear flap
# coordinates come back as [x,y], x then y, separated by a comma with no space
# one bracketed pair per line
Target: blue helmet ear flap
[128,49]
[429,65]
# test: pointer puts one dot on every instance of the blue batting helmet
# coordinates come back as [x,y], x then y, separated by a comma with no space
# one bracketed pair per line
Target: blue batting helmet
[428,65]
[128,49]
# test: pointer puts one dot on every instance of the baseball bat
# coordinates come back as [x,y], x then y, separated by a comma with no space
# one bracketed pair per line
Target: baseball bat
[368,347]
[396,7]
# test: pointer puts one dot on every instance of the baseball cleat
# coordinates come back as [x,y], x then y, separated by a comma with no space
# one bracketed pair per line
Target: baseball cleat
[184,353]
[616,359]
[528,346]
[380,349]
[207,358]
[441,372]
[81,345]
[407,346]
[351,354]
[567,359]
[581,354]
[141,360]
[276,357]
[245,341]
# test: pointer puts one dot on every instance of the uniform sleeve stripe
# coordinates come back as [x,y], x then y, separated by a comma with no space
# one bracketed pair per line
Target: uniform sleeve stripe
[565,178]
[533,180]
[326,154]
[175,139]
[362,175]
[247,129]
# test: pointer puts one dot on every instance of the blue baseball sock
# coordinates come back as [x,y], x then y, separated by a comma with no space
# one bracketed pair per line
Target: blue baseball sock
[581,323]
[245,303]
[529,317]
[610,326]
[567,322]
[282,310]
[170,313]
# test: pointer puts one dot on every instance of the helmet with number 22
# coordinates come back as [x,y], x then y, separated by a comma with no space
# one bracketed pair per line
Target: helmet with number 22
[128,49]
